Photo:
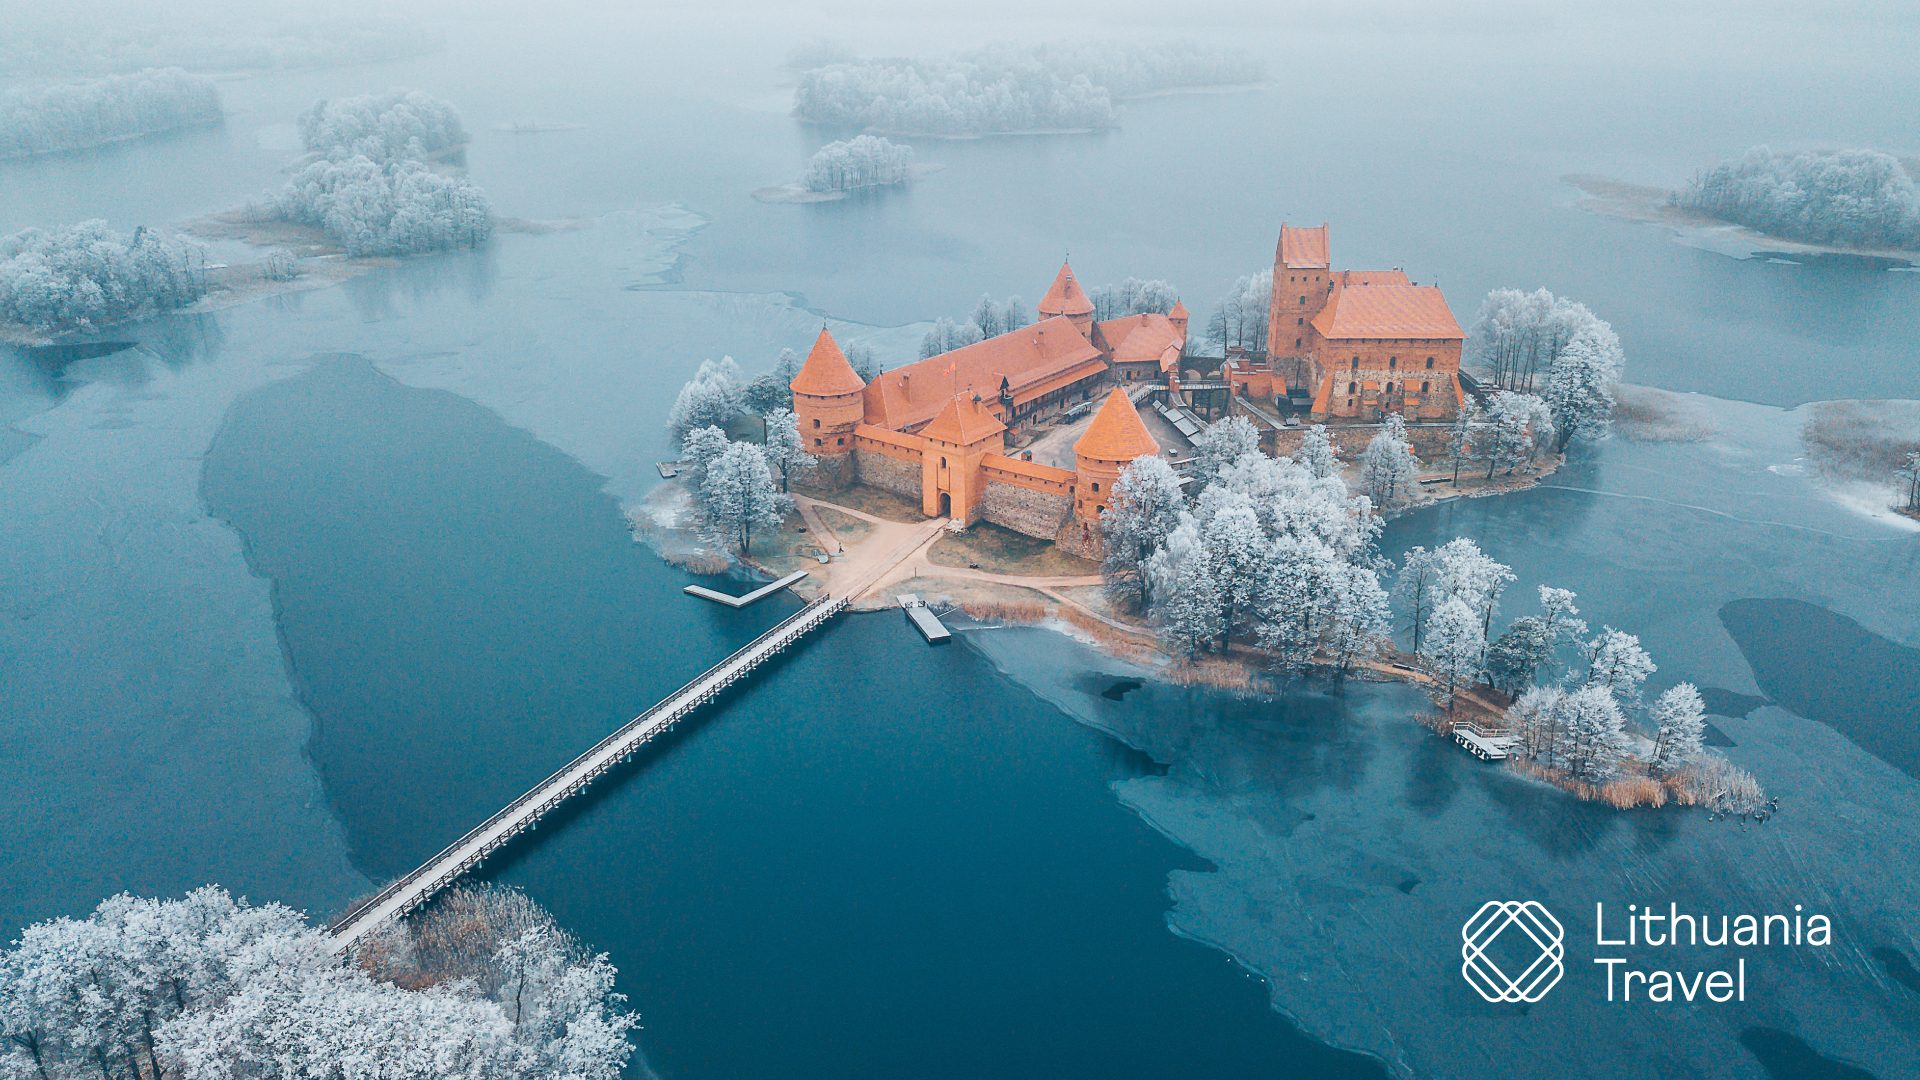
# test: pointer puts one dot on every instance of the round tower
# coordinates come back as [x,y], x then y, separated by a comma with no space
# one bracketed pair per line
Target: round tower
[828,403]
[1116,436]
[1178,317]
[1067,298]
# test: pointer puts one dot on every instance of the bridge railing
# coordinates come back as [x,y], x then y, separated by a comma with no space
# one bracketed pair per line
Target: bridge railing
[821,607]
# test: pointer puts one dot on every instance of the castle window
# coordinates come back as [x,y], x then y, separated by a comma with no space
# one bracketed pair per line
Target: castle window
[819,442]
[1296,343]
[1299,322]
[1425,386]
[1389,388]
[943,463]
[1096,487]
[1303,299]
[816,421]
[840,442]
[1356,363]
[1429,363]
[1393,361]
[1350,389]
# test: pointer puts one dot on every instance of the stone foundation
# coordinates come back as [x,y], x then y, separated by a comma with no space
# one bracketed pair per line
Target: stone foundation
[1429,439]
[1080,538]
[878,470]
[1033,513]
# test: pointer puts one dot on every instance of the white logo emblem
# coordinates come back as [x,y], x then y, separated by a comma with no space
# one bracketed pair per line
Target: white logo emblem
[1522,919]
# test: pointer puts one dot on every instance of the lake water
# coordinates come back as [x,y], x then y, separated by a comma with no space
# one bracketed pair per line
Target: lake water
[296,591]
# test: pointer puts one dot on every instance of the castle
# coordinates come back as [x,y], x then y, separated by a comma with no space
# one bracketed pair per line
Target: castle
[1360,342]
[1355,343]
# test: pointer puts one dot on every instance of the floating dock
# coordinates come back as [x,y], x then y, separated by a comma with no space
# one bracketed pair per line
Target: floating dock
[925,621]
[1483,744]
[755,596]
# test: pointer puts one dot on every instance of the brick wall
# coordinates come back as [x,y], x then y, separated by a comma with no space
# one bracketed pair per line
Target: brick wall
[1025,509]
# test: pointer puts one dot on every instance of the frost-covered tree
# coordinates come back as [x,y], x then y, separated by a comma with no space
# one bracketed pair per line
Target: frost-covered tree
[1133,297]
[1679,718]
[1518,426]
[1452,648]
[1001,317]
[1861,198]
[1579,390]
[1388,469]
[207,986]
[1418,589]
[1242,558]
[1144,508]
[1539,716]
[1008,88]
[1317,453]
[1191,611]
[1518,335]
[772,390]
[1466,440]
[1595,733]
[1517,655]
[1617,663]
[1359,617]
[860,162]
[738,496]
[1909,477]
[786,451]
[399,207]
[1240,320]
[700,446]
[1562,617]
[1465,572]
[948,335]
[87,275]
[713,396]
[74,116]
[1223,443]
[392,126]
[861,357]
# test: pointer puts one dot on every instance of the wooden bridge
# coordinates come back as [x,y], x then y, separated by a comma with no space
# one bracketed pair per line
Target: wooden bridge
[417,887]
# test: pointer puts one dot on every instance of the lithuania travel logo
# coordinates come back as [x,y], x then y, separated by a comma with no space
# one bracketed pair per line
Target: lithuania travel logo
[1512,934]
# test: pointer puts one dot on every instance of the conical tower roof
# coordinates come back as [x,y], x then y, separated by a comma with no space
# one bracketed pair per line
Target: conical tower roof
[826,372]
[1117,433]
[1066,297]
[1179,311]
[963,422]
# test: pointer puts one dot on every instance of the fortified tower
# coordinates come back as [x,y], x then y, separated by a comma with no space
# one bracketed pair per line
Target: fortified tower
[951,483]
[827,406]
[1302,277]
[1178,317]
[1110,444]
[1066,297]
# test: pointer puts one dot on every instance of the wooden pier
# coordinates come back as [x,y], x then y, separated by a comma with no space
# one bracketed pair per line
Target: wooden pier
[417,887]
[925,621]
[753,597]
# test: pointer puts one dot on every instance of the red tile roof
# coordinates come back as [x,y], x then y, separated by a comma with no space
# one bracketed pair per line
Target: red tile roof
[1065,297]
[1371,277]
[1116,433]
[826,372]
[1305,249]
[1134,339]
[1386,311]
[1029,358]
[963,422]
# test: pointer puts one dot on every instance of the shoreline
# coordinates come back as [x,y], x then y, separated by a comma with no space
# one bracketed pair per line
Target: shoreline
[1647,204]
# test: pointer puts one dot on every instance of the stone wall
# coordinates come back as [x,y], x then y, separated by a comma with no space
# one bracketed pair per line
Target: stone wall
[833,472]
[1025,510]
[888,473]
[1429,440]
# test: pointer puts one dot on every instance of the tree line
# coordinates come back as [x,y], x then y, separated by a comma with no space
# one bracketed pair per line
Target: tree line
[47,38]
[370,188]
[87,275]
[76,115]
[1523,339]
[860,162]
[1009,88]
[480,985]
[1860,198]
